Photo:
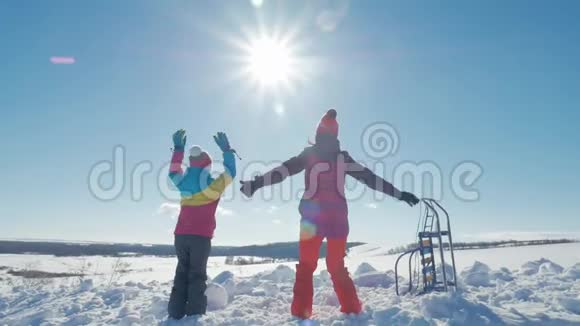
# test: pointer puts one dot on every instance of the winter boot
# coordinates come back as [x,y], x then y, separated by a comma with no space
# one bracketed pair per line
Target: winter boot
[303,292]
[345,291]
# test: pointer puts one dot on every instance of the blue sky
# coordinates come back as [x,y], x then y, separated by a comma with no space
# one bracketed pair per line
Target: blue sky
[492,82]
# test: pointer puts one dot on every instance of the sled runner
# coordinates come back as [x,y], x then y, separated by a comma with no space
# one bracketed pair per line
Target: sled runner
[425,263]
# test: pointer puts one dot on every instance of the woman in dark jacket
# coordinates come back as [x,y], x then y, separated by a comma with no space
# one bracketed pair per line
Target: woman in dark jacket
[324,212]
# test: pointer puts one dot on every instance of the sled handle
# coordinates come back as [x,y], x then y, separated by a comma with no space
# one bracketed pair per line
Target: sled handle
[410,253]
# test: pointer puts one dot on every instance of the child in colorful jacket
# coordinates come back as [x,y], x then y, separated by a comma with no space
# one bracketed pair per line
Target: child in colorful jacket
[324,212]
[200,195]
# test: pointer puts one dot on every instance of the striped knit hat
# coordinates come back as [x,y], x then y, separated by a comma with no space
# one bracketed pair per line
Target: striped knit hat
[328,124]
[198,157]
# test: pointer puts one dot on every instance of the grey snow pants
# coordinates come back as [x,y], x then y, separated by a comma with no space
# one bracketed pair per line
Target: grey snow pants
[188,292]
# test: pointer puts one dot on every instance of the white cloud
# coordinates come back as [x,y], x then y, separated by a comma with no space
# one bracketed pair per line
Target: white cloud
[272,209]
[221,211]
[329,19]
[276,221]
[170,210]
[372,205]
[257,3]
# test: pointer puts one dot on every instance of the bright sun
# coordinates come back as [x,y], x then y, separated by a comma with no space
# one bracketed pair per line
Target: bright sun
[269,61]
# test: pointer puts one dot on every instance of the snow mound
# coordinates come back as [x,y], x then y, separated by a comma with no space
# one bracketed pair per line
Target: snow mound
[477,275]
[571,304]
[364,268]
[322,279]
[502,274]
[550,268]
[282,273]
[573,272]
[523,294]
[448,271]
[453,307]
[397,316]
[540,293]
[245,287]
[375,279]
[367,276]
[543,266]
[326,297]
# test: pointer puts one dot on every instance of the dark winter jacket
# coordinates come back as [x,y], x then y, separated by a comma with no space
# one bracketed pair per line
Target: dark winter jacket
[323,206]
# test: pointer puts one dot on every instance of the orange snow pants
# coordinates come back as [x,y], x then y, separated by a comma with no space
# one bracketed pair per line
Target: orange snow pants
[343,284]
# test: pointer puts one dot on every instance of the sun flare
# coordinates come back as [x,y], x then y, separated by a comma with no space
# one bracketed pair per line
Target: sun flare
[269,61]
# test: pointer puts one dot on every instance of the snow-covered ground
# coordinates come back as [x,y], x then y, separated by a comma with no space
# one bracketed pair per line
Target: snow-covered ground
[535,285]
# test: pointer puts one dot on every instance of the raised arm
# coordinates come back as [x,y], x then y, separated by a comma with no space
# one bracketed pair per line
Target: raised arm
[289,168]
[219,185]
[175,170]
[373,181]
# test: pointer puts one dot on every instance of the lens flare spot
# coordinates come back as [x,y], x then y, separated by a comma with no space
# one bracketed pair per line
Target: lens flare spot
[307,230]
[62,60]
[257,3]
[279,109]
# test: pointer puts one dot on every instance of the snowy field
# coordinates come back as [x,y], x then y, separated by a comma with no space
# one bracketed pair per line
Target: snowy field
[534,285]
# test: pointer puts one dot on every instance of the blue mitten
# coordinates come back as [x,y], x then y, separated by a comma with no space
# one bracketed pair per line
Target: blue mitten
[179,139]
[222,141]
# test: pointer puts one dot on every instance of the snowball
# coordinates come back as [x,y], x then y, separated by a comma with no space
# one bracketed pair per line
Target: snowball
[477,275]
[217,296]
[222,277]
[230,286]
[226,279]
[364,268]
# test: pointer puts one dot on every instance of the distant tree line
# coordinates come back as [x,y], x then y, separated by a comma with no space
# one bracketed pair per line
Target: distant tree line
[282,250]
[275,251]
[483,244]
[231,260]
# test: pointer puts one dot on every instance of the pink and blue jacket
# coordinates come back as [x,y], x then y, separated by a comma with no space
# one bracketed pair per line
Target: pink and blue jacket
[200,193]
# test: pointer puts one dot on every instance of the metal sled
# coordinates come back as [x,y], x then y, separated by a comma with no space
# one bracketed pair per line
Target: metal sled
[431,229]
